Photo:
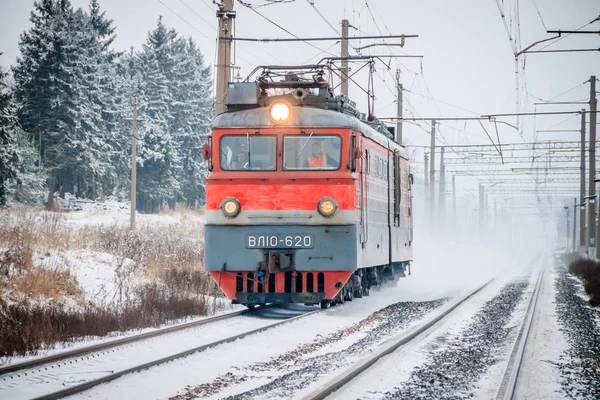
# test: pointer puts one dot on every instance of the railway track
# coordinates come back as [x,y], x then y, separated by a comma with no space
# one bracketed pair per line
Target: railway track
[344,378]
[511,376]
[78,370]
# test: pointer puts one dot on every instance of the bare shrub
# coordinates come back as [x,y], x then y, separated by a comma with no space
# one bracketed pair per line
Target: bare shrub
[589,272]
[27,328]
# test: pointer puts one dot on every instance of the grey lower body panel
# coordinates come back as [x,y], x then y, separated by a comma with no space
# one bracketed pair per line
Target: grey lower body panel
[334,247]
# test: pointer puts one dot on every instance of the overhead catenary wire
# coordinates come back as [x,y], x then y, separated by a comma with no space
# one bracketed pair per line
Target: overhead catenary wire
[282,28]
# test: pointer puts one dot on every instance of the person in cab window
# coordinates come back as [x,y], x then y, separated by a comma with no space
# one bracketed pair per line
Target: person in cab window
[317,159]
[241,161]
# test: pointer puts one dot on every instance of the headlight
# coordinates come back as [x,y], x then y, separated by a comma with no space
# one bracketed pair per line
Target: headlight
[327,206]
[230,207]
[280,112]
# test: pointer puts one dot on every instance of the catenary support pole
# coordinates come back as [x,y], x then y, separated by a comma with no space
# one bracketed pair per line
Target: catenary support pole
[226,16]
[582,202]
[432,171]
[399,104]
[480,210]
[574,224]
[455,219]
[345,54]
[592,172]
[442,189]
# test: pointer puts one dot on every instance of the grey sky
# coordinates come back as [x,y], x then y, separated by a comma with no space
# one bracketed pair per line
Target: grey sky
[468,58]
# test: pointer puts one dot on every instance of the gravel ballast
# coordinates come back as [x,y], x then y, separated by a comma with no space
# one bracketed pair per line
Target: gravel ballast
[580,364]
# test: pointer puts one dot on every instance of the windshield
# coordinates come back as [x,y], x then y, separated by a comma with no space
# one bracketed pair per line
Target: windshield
[248,152]
[320,152]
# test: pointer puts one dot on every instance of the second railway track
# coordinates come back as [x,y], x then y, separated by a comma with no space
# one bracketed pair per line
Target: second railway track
[73,372]
[344,378]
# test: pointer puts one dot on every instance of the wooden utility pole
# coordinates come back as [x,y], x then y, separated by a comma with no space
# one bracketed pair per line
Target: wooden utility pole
[432,170]
[133,166]
[345,54]
[226,15]
[399,101]
[582,205]
[442,190]
[426,181]
[592,171]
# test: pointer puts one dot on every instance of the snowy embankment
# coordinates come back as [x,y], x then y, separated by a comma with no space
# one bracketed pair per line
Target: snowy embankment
[87,270]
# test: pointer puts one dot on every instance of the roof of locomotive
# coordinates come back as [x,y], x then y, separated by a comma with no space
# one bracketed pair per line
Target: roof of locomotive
[302,116]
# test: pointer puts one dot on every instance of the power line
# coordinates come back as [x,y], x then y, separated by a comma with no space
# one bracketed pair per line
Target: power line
[282,28]
[539,14]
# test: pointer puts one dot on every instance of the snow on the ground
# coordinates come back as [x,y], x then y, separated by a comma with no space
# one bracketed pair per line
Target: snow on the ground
[111,212]
[95,272]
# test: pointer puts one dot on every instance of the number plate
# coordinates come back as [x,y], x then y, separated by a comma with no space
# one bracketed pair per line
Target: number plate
[280,241]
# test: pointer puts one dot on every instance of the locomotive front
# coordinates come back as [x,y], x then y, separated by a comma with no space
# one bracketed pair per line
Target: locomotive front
[281,217]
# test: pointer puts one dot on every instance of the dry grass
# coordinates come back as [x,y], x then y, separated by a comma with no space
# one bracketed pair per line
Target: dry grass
[48,283]
[589,272]
[166,257]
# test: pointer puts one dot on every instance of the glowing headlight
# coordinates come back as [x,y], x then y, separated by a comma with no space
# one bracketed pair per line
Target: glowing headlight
[327,206]
[280,112]
[230,207]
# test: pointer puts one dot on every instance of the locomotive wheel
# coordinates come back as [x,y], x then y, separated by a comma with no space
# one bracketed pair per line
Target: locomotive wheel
[325,304]
[358,293]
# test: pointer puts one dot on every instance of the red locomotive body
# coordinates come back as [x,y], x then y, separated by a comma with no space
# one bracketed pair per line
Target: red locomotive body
[311,208]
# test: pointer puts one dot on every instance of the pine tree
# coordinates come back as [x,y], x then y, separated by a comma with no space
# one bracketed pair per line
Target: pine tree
[192,112]
[20,176]
[46,92]
[64,77]
[158,156]
[8,154]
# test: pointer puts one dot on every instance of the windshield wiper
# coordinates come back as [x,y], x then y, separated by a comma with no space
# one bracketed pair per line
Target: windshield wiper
[305,143]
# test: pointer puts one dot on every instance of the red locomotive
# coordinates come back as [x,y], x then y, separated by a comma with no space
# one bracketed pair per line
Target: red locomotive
[306,201]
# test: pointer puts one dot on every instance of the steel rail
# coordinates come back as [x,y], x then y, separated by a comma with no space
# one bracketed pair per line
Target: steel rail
[108,378]
[114,343]
[511,375]
[336,383]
